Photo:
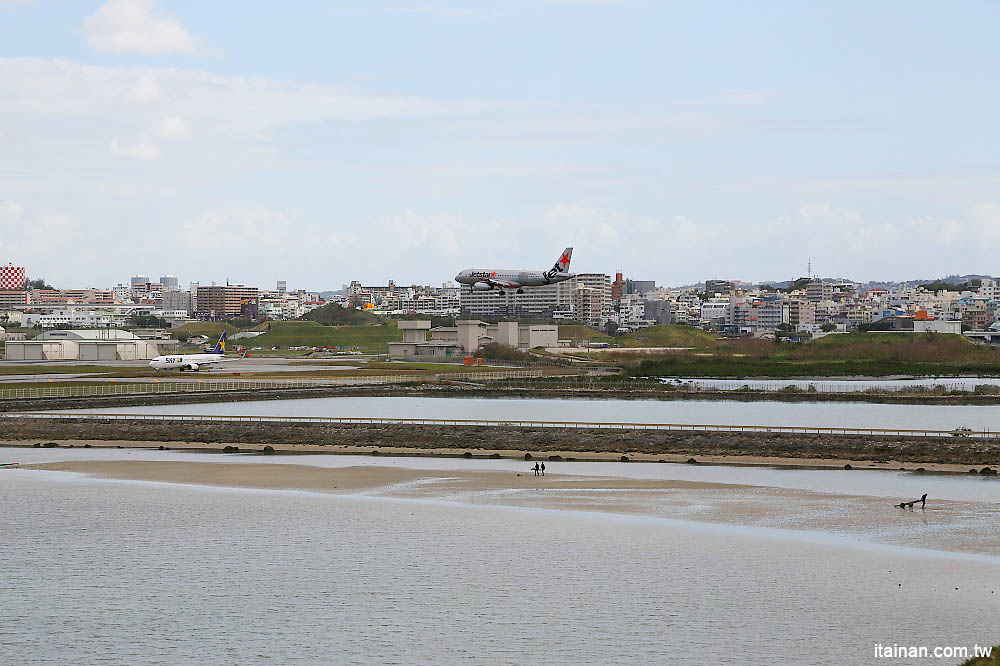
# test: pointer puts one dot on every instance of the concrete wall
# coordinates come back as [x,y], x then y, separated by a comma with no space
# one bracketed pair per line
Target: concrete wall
[414,331]
[540,336]
[937,326]
[506,333]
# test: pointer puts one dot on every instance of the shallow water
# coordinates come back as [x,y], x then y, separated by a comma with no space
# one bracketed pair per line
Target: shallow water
[149,573]
[809,414]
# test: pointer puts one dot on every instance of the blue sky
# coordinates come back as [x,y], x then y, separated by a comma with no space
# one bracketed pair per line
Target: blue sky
[319,142]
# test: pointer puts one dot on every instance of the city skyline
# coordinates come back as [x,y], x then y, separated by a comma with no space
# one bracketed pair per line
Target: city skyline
[376,139]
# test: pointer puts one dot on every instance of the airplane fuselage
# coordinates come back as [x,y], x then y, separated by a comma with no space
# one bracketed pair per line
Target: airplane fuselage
[184,361]
[511,278]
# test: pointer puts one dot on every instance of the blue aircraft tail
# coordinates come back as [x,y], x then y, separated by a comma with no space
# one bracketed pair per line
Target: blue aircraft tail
[220,346]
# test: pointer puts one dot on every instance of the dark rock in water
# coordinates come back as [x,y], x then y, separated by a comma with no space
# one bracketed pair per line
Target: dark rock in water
[495,455]
[623,459]
[920,470]
[555,457]
[570,459]
[973,471]
[848,466]
[527,456]
[86,446]
[467,454]
[690,461]
[50,445]
[229,449]
[161,447]
[72,446]
[987,470]
[376,452]
[267,450]
[38,445]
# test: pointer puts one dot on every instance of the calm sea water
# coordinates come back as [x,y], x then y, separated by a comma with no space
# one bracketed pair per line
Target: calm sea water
[856,415]
[137,573]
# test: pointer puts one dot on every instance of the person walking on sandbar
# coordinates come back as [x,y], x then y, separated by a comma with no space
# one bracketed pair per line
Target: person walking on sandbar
[536,469]
[543,469]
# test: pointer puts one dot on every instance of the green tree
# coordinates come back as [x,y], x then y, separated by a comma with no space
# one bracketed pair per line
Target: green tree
[38,283]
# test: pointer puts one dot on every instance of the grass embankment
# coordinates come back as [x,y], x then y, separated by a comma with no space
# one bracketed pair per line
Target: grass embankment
[578,332]
[853,354]
[373,338]
[333,314]
[668,335]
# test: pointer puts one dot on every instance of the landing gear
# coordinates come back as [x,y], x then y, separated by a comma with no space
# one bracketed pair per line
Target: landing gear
[520,291]
[502,292]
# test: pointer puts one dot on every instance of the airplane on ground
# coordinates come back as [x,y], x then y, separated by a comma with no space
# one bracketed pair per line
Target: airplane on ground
[487,280]
[193,361]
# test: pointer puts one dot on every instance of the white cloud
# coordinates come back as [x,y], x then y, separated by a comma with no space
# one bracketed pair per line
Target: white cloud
[137,26]
[146,91]
[143,149]
[33,237]
[173,128]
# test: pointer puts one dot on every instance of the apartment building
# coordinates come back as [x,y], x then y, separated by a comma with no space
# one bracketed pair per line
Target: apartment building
[224,301]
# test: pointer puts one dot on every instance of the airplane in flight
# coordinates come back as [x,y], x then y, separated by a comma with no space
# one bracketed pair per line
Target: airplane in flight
[487,280]
[193,361]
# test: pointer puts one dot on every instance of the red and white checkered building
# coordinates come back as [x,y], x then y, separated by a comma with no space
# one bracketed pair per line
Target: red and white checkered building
[11,277]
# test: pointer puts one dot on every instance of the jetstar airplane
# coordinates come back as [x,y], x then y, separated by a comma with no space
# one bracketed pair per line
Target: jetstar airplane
[193,361]
[487,280]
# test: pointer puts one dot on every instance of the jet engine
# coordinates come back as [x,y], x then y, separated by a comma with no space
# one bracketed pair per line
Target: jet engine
[193,367]
[482,286]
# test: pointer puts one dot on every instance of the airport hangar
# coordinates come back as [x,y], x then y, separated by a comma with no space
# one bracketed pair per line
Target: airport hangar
[84,345]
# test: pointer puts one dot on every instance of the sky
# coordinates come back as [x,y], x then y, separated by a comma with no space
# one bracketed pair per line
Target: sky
[320,142]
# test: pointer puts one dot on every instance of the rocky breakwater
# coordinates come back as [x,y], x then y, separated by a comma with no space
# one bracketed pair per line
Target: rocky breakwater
[945,450]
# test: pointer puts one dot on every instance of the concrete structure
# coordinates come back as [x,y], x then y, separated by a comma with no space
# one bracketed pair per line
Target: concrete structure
[224,301]
[467,336]
[84,345]
[177,300]
[536,302]
[11,277]
[723,287]
[169,283]
[587,305]
[12,298]
[937,326]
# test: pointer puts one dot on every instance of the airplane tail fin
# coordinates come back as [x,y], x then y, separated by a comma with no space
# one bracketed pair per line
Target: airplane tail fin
[220,346]
[562,265]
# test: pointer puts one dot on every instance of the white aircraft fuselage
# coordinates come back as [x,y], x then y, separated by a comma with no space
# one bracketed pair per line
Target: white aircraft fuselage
[487,279]
[184,361]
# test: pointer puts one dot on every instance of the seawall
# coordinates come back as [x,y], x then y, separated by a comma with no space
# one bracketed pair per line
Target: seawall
[943,450]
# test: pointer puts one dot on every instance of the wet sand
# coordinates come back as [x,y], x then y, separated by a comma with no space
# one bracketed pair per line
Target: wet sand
[944,525]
